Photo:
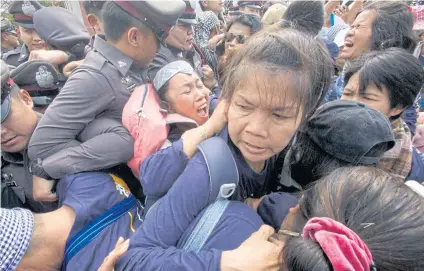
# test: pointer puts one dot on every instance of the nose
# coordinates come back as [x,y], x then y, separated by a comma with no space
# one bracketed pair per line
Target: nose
[200,95]
[258,125]
[190,30]
[36,37]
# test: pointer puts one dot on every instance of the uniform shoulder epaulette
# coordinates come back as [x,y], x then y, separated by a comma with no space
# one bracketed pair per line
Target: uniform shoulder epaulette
[10,53]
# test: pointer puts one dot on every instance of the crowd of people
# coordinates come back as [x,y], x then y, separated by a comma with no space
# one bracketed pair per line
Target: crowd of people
[212,135]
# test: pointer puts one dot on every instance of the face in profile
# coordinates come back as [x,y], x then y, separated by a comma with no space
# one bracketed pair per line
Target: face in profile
[358,38]
[188,97]
[181,36]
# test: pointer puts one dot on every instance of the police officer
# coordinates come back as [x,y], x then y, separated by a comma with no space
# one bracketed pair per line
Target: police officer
[179,44]
[250,7]
[23,12]
[63,32]
[9,38]
[40,79]
[99,89]
[18,121]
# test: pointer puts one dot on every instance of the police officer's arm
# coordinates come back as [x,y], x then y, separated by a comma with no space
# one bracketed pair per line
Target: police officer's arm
[84,97]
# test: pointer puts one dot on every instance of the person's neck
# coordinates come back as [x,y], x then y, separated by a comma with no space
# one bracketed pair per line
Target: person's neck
[54,231]
[7,45]
[256,166]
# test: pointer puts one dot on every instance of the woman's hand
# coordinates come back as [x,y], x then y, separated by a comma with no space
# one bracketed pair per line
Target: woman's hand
[120,248]
[259,252]
[218,120]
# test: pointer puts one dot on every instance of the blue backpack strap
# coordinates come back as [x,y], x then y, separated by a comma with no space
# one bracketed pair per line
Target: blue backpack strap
[88,233]
[223,178]
[222,168]
[205,226]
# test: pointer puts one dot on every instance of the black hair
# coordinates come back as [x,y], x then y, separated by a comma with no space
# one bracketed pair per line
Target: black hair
[291,52]
[384,212]
[249,20]
[392,26]
[93,7]
[117,21]
[309,162]
[305,16]
[394,69]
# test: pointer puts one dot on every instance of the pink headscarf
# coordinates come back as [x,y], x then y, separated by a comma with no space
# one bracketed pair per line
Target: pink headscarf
[344,248]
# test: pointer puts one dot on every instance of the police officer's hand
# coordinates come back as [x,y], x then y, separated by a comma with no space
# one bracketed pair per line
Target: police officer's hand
[208,77]
[259,252]
[54,57]
[120,248]
[67,70]
[42,189]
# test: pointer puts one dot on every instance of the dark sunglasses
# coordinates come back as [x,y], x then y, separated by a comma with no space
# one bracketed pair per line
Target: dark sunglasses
[241,39]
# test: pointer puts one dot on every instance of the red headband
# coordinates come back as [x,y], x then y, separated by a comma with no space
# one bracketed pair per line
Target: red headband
[344,248]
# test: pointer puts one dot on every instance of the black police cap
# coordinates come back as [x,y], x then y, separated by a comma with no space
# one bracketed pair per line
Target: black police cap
[61,29]
[23,12]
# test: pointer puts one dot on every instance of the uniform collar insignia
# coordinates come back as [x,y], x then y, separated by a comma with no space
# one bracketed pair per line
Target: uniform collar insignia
[122,63]
[44,77]
[28,8]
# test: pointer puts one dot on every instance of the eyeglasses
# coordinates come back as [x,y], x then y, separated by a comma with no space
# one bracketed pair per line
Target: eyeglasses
[241,39]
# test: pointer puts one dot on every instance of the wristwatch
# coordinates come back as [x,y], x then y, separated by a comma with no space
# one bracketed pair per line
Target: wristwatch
[36,169]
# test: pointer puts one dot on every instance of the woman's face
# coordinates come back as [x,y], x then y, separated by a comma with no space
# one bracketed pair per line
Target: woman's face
[373,97]
[188,97]
[358,38]
[260,123]
[234,35]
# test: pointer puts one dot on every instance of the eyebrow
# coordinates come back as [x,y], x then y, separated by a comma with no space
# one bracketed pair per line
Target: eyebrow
[245,100]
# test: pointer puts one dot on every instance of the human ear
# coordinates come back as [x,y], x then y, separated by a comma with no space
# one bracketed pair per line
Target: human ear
[26,98]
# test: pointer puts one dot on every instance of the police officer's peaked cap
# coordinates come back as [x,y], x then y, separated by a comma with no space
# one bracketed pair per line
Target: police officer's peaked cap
[159,16]
[61,29]
[23,12]
[39,78]
[189,14]
[6,85]
[6,26]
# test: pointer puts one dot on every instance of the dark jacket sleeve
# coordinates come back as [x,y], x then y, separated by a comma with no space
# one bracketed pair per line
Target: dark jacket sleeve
[159,171]
[84,97]
[153,246]
[275,207]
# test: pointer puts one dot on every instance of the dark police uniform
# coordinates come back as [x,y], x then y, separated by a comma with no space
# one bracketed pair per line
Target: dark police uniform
[23,12]
[16,180]
[6,27]
[168,54]
[98,89]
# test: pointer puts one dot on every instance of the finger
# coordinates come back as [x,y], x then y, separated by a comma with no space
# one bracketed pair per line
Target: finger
[120,241]
[264,232]
[276,242]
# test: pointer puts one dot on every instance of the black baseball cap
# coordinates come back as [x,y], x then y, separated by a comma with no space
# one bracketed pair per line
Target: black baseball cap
[350,131]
